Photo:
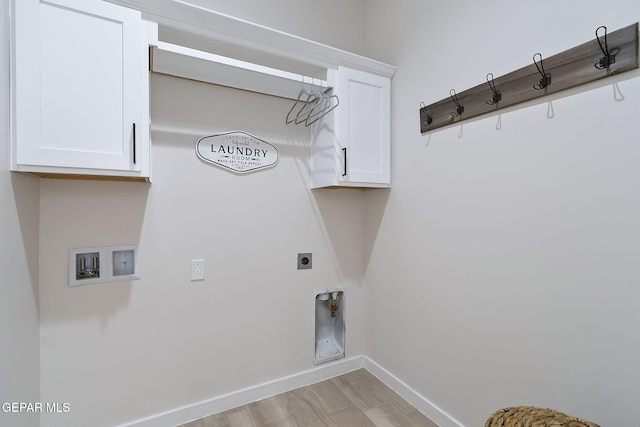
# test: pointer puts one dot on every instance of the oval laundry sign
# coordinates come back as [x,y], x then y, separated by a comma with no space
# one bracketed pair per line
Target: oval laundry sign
[237,151]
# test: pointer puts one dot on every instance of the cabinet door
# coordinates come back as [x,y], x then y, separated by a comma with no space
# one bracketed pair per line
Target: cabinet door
[362,127]
[77,84]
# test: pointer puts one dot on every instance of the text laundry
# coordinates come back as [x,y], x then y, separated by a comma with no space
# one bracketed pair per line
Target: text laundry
[245,151]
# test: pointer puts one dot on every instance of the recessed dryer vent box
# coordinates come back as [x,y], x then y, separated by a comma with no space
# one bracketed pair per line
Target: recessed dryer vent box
[103,264]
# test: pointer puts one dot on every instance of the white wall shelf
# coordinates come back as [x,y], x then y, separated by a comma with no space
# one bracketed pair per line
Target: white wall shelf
[194,64]
[197,35]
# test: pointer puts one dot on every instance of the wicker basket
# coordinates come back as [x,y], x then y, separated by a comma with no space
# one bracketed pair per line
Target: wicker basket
[530,416]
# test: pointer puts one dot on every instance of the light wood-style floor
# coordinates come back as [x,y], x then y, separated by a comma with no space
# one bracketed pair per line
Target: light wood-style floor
[355,399]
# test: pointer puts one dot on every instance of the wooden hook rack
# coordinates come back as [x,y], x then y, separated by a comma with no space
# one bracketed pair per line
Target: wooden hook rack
[573,67]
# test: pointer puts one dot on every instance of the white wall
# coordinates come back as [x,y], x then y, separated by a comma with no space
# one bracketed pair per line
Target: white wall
[118,352]
[504,271]
[499,268]
[122,351]
[19,338]
[336,23]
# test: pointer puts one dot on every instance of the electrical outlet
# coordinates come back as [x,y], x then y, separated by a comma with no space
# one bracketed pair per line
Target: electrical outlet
[197,269]
[304,261]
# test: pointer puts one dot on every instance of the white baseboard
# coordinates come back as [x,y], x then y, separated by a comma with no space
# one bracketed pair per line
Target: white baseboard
[261,391]
[250,394]
[421,403]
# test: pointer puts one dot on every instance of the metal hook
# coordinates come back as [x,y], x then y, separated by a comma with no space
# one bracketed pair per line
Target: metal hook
[497,96]
[460,108]
[609,57]
[546,78]
[427,118]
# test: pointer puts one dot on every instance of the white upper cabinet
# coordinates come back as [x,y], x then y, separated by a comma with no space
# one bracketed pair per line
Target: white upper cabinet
[80,89]
[352,144]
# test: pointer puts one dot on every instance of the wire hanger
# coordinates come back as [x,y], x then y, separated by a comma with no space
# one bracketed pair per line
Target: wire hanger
[299,100]
[546,78]
[313,98]
[497,96]
[311,105]
[326,105]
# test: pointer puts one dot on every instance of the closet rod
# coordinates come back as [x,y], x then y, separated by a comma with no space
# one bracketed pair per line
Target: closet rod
[181,61]
[573,67]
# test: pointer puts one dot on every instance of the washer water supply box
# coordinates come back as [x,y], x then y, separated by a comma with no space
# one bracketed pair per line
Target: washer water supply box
[329,323]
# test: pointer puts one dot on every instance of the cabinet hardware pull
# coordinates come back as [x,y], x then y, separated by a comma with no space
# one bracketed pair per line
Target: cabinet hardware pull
[344,150]
[134,143]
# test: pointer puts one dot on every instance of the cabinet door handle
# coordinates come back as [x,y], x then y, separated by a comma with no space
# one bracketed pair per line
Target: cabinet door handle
[134,143]
[344,151]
